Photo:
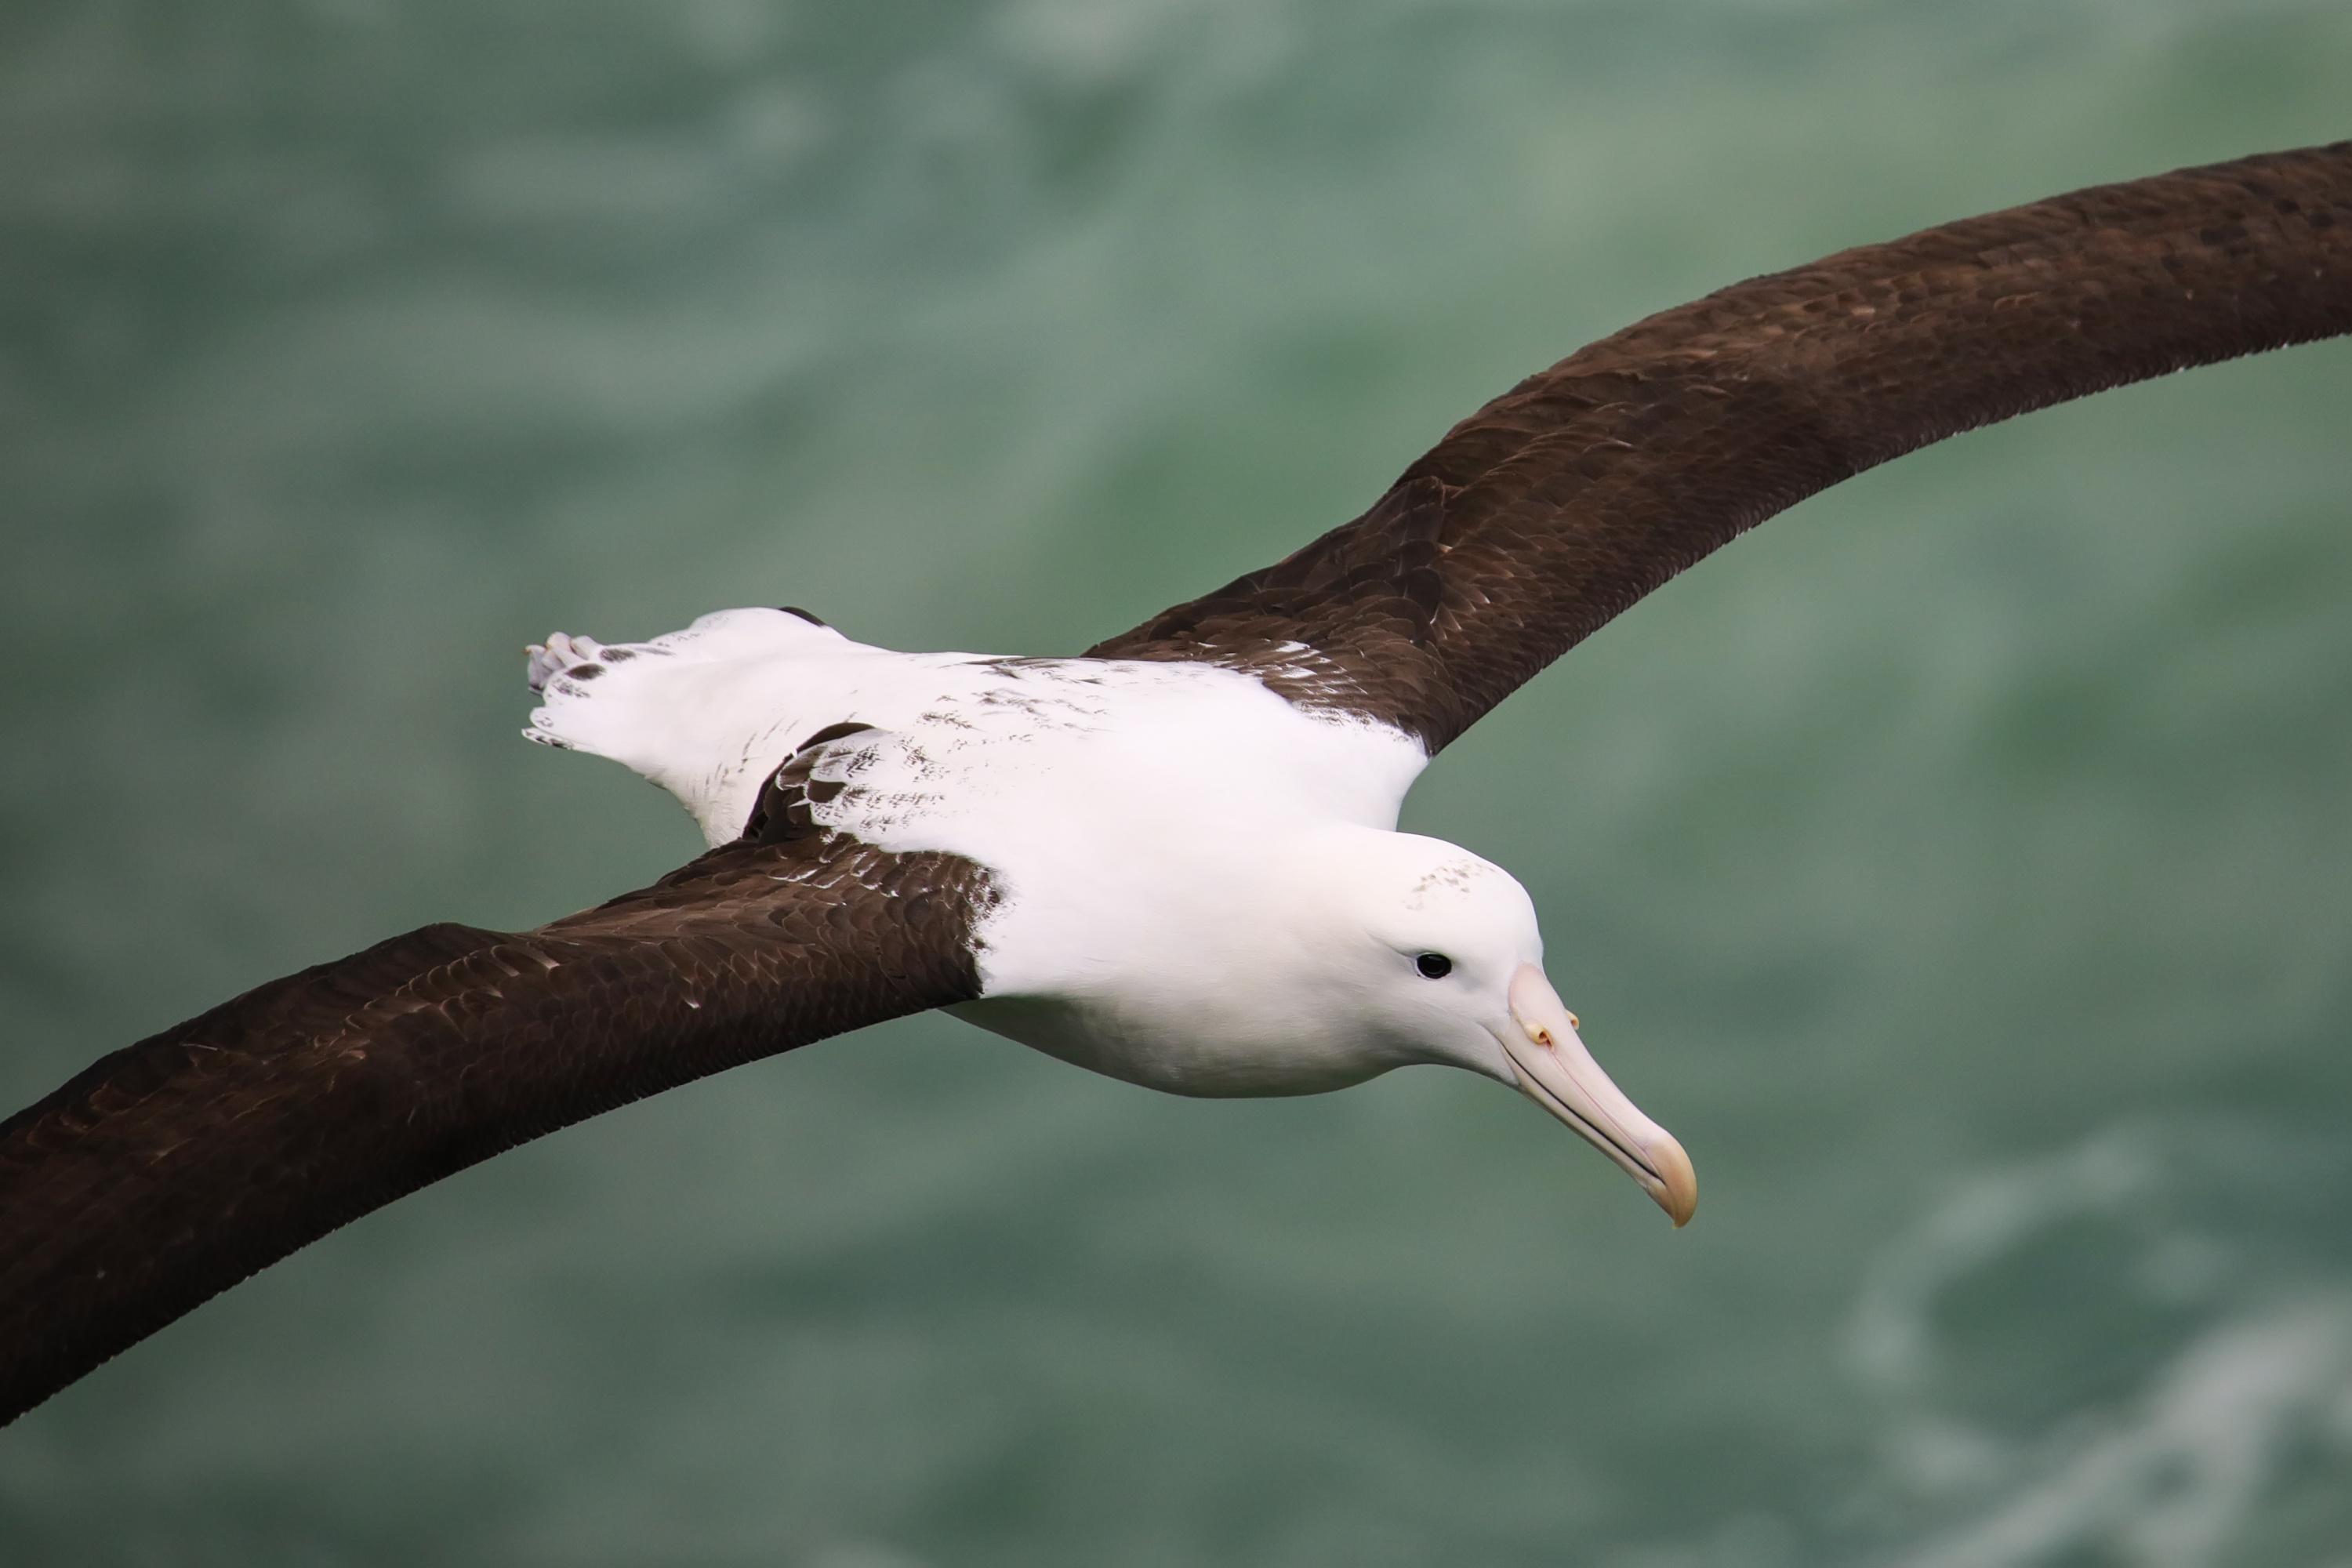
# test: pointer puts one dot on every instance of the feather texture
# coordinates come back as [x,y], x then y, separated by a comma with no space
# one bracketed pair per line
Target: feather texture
[1554,508]
[172,1169]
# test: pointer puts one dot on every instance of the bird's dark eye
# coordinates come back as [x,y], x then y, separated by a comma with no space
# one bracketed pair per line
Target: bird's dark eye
[1434,965]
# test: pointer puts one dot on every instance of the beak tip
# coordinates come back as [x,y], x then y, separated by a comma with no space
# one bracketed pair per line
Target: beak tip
[1677,1189]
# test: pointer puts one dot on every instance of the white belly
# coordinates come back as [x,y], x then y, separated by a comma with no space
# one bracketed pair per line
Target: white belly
[1185,1049]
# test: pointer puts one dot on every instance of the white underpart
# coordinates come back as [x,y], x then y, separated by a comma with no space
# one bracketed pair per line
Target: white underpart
[1162,834]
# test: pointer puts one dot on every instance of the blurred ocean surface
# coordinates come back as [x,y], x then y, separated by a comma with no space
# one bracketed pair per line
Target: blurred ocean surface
[1961,866]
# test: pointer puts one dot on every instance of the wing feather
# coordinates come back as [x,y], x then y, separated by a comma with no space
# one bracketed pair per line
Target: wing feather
[168,1171]
[1560,503]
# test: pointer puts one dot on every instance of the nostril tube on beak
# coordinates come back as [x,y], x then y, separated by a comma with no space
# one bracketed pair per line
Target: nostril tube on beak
[1558,1073]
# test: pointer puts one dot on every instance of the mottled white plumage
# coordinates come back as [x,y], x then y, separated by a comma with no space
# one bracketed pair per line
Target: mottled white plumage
[707,712]
[1201,887]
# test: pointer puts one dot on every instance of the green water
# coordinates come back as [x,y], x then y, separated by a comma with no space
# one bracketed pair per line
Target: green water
[1962,866]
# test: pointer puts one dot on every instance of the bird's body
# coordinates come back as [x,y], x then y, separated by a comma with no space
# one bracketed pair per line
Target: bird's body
[1150,830]
[1172,859]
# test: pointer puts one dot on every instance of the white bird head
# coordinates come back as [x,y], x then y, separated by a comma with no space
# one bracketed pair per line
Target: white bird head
[1447,962]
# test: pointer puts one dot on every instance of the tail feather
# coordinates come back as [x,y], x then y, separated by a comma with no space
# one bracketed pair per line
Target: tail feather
[689,710]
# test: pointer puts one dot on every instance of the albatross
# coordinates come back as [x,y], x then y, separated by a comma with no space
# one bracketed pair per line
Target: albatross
[1172,858]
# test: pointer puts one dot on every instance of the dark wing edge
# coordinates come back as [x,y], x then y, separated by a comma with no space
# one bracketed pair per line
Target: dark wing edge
[1557,505]
[170,1169]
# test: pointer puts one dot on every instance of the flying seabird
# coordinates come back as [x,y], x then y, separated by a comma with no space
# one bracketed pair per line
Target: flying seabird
[1173,858]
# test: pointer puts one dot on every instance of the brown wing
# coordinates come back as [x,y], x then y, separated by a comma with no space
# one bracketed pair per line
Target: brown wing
[171,1170]
[1557,505]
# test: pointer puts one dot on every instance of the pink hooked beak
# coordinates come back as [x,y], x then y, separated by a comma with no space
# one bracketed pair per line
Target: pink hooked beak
[1559,1074]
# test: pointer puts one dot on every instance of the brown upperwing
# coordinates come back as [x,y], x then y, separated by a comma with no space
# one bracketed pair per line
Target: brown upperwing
[1557,505]
[172,1169]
